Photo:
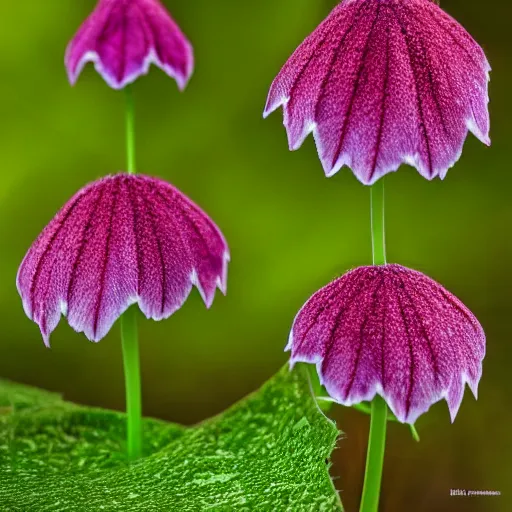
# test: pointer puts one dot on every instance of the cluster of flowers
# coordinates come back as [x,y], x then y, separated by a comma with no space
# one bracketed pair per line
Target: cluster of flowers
[380,83]
[126,238]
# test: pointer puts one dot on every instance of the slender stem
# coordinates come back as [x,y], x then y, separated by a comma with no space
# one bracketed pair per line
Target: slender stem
[130,344]
[130,131]
[414,433]
[378,227]
[375,456]
[129,336]
[379,409]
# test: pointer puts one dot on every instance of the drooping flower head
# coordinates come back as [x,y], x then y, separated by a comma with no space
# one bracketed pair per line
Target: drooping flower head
[124,37]
[121,240]
[391,331]
[385,82]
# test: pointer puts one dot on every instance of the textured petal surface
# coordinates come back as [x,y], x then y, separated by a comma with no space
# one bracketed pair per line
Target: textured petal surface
[124,37]
[121,240]
[385,82]
[391,331]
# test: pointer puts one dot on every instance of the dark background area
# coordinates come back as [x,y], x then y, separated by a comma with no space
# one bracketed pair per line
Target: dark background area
[290,231]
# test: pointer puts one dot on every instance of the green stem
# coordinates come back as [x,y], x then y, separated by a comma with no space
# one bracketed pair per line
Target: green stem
[129,336]
[378,227]
[378,422]
[130,344]
[130,130]
[375,456]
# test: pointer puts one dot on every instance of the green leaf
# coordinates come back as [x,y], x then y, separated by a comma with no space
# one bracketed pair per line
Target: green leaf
[268,452]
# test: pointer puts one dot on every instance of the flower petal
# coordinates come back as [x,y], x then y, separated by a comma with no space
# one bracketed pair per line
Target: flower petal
[124,37]
[390,331]
[385,82]
[121,240]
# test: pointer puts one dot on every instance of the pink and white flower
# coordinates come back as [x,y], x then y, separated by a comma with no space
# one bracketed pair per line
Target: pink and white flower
[390,331]
[380,83]
[124,37]
[121,240]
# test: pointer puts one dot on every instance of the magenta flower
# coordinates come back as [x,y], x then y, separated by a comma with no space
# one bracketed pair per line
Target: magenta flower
[385,82]
[124,37]
[391,331]
[121,240]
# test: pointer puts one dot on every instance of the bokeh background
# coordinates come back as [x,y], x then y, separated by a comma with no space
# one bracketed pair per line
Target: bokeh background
[290,230]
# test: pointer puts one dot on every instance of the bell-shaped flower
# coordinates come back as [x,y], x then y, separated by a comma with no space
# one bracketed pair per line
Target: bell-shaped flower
[121,240]
[390,331]
[385,82]
[124,37]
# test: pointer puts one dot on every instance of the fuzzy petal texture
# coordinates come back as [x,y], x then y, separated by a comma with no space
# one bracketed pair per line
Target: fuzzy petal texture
[121,240]
[391,331]
[385,82]
[124,37]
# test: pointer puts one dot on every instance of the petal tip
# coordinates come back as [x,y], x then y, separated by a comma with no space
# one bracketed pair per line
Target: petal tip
[289,345]
[46,340]
[273,104]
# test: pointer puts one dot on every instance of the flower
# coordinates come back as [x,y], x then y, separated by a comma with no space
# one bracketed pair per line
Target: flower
[123,37]
[121,240]
[391,331]
[385,82]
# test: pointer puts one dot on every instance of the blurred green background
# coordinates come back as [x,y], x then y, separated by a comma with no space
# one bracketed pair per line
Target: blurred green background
[290,230]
